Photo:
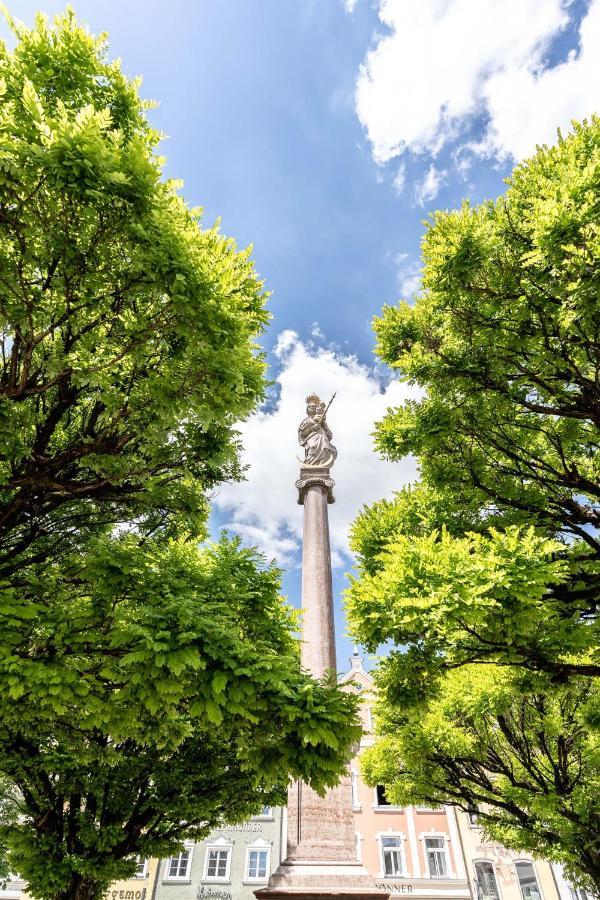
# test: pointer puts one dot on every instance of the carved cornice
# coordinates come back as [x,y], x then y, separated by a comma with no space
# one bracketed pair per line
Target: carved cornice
[315,475]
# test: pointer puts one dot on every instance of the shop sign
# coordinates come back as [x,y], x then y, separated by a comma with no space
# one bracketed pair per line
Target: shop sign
[211,892]
[394,887]
[126,895]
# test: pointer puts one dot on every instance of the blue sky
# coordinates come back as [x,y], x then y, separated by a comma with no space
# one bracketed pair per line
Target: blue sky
[323,132]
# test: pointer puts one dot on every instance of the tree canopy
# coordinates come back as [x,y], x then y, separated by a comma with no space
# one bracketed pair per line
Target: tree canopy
[126,340]
[151,694]
[485,575]
[151,686]
[502,564]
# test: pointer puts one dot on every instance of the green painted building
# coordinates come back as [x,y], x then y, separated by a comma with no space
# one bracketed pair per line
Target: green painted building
[229,865]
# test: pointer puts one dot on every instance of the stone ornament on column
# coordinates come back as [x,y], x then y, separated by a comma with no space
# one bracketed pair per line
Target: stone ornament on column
[314,434]
[311,476]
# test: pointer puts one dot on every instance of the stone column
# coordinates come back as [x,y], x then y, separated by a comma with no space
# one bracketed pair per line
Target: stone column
[315,491]
[321,852]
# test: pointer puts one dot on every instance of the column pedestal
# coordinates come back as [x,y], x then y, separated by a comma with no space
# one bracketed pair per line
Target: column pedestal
[320,863]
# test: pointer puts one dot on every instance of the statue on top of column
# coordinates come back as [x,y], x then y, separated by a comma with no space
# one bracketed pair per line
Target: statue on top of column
[314,434]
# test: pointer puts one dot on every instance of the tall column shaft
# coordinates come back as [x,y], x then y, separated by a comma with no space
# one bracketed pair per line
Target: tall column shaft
[318,632]
[321,862]
[319,828]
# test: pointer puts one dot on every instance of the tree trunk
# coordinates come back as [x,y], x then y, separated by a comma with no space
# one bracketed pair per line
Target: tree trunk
[590,866]
[82,888]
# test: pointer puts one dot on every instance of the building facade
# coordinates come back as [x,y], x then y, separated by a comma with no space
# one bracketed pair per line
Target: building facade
[496,873]
[138,888]
[408,850]
[229,865]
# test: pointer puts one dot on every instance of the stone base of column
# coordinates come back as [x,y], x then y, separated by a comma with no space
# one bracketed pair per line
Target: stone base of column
[308,880]
[321,859]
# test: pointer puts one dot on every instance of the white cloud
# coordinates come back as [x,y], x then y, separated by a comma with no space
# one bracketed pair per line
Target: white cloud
[528,105]
[463,161]
[264,509]
[429,187]
[350,5]
[316,332]
[408,275]
[400,178]
[443,61]
[284,343]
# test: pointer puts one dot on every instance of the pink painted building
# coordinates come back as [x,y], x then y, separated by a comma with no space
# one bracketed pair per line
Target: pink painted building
[408,850]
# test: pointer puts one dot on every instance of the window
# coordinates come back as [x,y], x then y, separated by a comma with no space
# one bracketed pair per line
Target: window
[391,855]
[380,798]
[258,861]
[258,865]
[141,869]
[578,893]
[179,866]
[265,813]
[485,879]
[216,866]
[528,881]
[473,816]
[435,852]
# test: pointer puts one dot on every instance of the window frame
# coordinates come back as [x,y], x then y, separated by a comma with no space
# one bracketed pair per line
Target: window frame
[358,839]
[144,864]
[401,837]
[379,807]
[578,893]
[528,862]
[438,835]
[263,816]
[222,846]
[187,848]
[259,846]
[488,862]
[473,819]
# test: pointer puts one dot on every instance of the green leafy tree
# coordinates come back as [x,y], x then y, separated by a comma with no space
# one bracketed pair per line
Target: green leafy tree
[149,696]
[126,338]
[519,752]
[502,564]
[485,575]
[150,687]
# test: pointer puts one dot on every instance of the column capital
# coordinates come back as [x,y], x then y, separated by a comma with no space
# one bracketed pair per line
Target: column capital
[315,475]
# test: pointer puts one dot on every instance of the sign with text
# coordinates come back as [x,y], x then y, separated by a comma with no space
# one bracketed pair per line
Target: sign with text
[212,893]
[394,887]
